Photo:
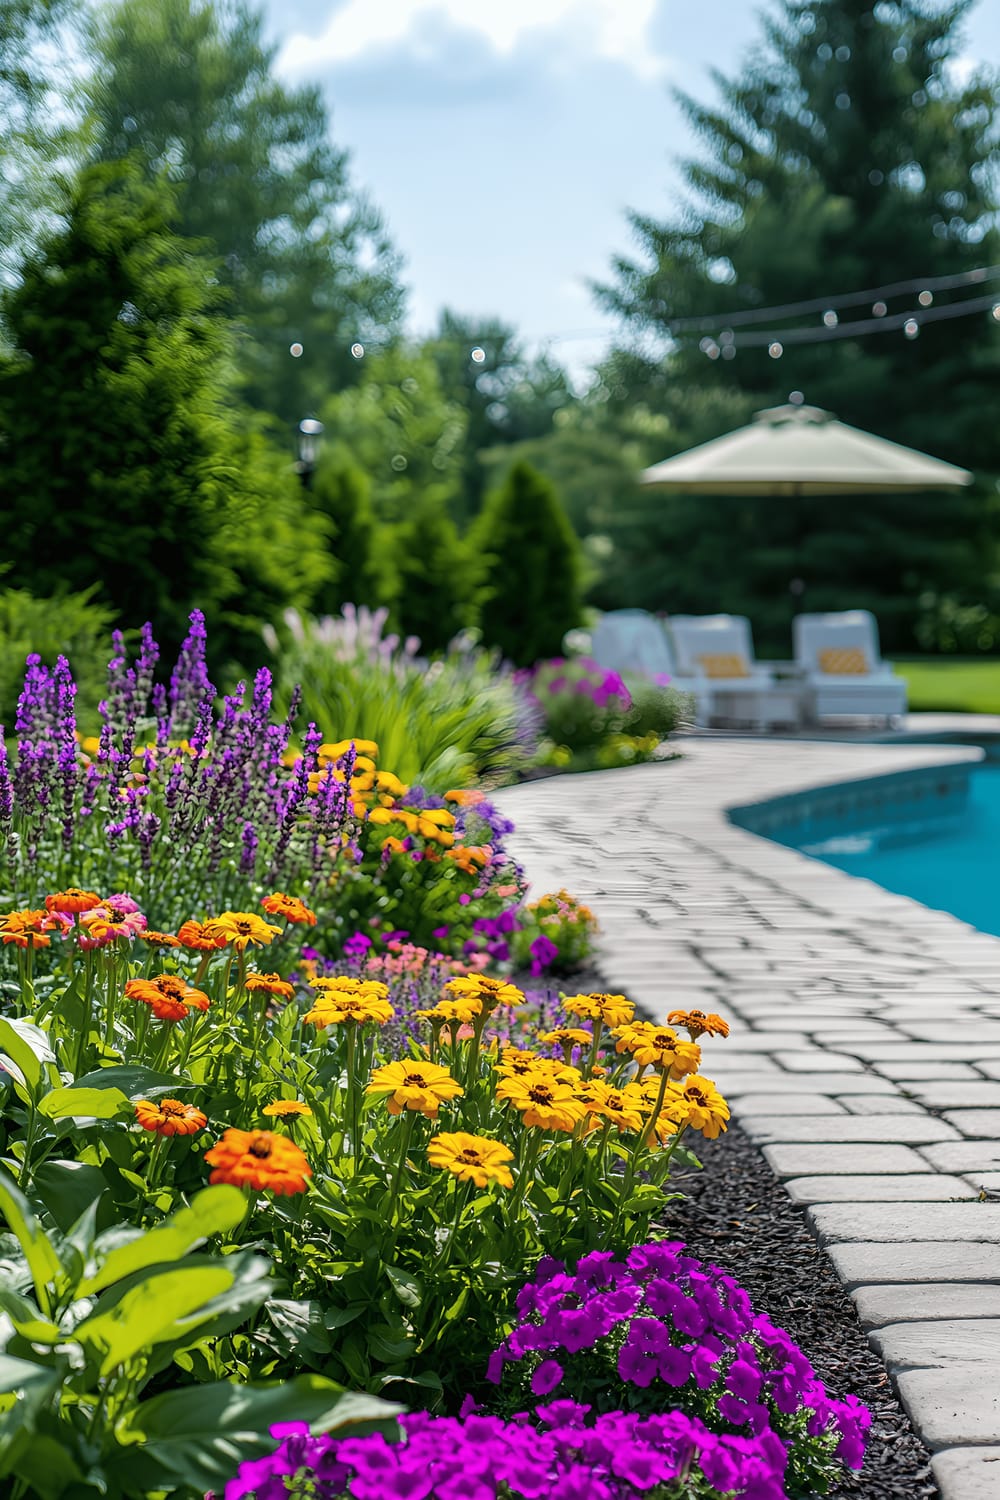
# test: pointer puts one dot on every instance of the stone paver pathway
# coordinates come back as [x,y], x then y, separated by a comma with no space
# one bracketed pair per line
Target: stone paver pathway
[865,1047]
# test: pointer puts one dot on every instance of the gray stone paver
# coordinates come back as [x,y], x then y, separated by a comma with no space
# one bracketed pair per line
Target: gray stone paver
[879,1305]
[901,1187]
[967,1473]
[833,1222]
[865,1047]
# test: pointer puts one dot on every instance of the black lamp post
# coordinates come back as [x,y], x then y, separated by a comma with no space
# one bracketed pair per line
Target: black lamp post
[310,437]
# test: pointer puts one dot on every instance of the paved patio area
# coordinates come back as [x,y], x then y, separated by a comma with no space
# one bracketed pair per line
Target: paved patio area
[865,1046]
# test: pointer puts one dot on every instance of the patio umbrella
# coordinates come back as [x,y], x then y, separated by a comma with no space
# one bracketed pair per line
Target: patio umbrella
[801,450]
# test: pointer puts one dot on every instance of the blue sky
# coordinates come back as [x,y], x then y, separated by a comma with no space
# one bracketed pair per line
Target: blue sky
[505,139]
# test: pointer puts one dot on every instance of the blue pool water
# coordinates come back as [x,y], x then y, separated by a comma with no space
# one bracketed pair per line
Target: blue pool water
[950,863]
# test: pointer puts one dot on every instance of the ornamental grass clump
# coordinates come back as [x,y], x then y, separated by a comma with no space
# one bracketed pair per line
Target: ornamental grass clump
[658,1329]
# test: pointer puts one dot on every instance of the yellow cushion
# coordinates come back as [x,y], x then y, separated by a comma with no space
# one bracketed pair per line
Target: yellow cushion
[843,661]
[721,665]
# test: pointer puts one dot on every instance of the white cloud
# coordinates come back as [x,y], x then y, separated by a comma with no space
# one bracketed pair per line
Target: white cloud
[614,30]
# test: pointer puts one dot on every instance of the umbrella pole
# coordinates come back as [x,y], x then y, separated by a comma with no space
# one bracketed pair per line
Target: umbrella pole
[797,585]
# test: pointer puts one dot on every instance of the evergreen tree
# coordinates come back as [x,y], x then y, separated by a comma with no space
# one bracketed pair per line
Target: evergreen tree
[507,396]
[532,590]
[845,156]
[342,493]
[188,88]
[435,585]
[123,463]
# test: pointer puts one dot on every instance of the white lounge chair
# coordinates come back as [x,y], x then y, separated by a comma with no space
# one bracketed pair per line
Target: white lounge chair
[716,652]
[632,641]
[842,668]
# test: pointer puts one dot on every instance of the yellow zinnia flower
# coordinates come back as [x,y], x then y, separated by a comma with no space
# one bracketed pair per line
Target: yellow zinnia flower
[612,1010]
[625,1107]
[472,1158]
[490,992]
[340,749]
[543,1100]
[517,1064]
[280,1109]
[658,1047]
[241,928]
[698,1103]
[333,1007]
[567,1036]
[419,1086]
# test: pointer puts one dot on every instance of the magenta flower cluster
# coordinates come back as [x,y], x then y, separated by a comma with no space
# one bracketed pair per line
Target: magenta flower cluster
[678,1329]
[554,1454]
[582,677]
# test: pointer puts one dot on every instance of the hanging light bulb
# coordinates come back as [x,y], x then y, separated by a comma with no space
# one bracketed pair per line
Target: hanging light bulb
[879,310]
[710,347]
[911,328]
[925,299]
[478,356]
[775,350]
[728,351]
[830,319]
[995,311]
[295,350]
[358,350]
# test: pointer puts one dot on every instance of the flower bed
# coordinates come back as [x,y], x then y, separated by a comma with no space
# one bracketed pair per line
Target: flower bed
[291,1154]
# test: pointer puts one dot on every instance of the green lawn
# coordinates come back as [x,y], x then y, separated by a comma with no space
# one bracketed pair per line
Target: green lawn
[952,684]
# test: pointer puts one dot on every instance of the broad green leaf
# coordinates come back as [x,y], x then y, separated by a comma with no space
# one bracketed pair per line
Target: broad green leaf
[68,1189]
[28,1046]
[407,1288]
[134,1082]
[152,1308]
[201,1434]
[47,1467]
[20,1375]
[26,1318]
[212,1211]
[39,1252]
[299,1325]
[98,1104]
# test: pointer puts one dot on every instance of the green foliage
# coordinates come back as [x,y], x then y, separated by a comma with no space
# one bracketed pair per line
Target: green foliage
[31,139]
[124,464]
[341,492]
[532,589]
[846,155]
[435,579]
[460,720]
[71,625]
[94,1316]
[305,258]
[507,397]
[399,426]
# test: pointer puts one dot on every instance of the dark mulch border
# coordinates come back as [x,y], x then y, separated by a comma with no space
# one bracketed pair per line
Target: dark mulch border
[737,1214]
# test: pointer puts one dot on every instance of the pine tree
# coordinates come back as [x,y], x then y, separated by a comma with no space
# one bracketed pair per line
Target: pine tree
[124,461]
[341,492]
[532,590]
[435,583]
[845,156]
[188,86]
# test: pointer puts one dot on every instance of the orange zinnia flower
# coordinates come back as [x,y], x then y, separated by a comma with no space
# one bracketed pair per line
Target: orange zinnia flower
[26,928]
[289,907]
[242,928]
[160,939]
[169,1117]
[259,1159]
[197,936]
[699,1023]
[168,996]
[272,983]
[73,899]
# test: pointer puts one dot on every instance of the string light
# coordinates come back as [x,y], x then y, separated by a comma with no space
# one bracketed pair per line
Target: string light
[775,350]
[911,328]
[708,321]
[478,356]
[886,324]
[295,350]
[926,298]
[358,350]
[830,319]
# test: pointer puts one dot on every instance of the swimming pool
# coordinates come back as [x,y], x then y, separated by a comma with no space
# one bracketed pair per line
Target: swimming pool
[949,861]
